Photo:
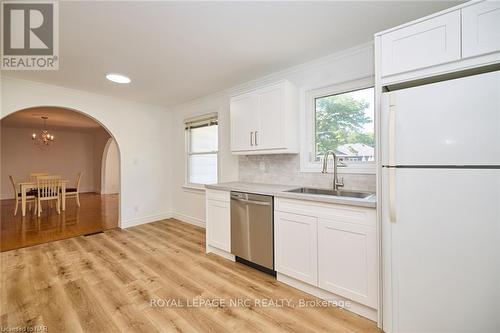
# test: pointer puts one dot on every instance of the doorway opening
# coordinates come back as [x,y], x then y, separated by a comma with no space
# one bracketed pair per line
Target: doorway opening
[79,151]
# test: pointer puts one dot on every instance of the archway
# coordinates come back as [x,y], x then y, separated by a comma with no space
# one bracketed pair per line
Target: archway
[79,143]
[109,170]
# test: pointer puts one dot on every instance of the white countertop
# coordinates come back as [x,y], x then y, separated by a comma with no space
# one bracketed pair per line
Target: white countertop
[279,191]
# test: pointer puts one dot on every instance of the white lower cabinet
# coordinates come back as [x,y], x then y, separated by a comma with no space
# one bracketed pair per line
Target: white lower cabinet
[296,246]
[347,264]
[218,217]
[331,247]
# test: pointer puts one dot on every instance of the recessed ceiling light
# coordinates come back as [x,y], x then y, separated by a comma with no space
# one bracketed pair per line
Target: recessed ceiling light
[118,78]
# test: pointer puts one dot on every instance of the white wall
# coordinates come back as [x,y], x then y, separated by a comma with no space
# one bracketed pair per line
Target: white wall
[72,152]
[100,141]
[344,66]
[141,132]
[152,178]
[110,169]
[190,203]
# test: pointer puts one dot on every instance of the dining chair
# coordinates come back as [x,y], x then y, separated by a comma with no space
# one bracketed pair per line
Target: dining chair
[34,175]
[75,191]
[30,195]
[48,189]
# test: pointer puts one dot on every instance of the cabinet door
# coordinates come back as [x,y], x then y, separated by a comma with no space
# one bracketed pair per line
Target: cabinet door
[219,225]
[271,110]
[244,121]
[347,263]
[427,43]
[296,246]
[481,28]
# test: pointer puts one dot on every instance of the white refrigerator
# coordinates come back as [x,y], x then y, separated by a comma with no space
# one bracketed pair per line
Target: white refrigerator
[440,147]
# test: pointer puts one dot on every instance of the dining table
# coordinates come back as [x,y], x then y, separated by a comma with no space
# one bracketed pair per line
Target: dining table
[26,186]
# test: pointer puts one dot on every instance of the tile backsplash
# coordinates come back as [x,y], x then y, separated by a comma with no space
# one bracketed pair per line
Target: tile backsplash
[285,169]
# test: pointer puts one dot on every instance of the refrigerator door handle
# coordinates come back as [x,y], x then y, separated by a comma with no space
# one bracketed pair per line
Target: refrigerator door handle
[392,129]
[392,195]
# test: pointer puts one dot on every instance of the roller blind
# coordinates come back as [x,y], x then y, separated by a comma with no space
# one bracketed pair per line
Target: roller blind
[202,149]
[208,120]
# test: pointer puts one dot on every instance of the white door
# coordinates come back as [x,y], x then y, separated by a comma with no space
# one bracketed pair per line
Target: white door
[295,241]
[244,121]
[347,262]
[481,28]
[219,224]
[271,110]
[441,250]
[431,42]
[455,122]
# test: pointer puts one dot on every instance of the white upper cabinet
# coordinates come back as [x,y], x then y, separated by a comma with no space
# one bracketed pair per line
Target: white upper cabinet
[459,38]
[264,120]
[243,121]
[481,28]
[272,112]
[427,43]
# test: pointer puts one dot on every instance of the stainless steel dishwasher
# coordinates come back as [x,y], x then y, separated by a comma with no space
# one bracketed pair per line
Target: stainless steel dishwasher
[252,240]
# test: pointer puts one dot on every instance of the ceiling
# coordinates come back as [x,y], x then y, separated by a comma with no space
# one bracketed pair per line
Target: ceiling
[178,51]
[59,118]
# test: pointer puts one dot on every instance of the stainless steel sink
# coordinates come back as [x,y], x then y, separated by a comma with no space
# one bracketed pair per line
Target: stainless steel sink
[339,193]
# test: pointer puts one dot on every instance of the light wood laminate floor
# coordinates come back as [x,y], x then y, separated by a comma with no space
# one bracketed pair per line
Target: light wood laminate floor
[105,283]
[96,213]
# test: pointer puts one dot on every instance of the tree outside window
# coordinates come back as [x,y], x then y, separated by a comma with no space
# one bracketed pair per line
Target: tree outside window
[344,124]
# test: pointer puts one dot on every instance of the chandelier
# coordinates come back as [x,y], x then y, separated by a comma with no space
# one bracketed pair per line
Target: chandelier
[44,138]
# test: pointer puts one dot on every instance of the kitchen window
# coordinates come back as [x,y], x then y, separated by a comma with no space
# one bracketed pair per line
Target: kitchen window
[340,118]
[202,150]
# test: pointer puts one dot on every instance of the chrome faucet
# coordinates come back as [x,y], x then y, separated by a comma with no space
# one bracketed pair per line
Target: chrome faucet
[336,163]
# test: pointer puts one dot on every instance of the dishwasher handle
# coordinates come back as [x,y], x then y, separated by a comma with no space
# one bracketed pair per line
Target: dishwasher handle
[252,202]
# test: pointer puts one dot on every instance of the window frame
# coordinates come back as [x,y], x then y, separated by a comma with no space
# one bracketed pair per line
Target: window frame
[308,144]
[188,153]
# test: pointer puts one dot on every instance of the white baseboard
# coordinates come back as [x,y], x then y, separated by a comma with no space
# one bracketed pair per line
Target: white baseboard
[355,307]
[188,219]
[104,192]
[167,215]
[145,219]
[222,253]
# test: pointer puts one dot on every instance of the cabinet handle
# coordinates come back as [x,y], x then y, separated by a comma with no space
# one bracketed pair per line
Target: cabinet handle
[251,138]
[392,130]
[392,195]
[256,143]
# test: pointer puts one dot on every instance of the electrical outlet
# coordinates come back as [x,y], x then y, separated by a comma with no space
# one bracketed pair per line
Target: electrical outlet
[262,166]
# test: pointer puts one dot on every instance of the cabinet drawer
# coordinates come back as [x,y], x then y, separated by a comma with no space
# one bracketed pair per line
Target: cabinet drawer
[218,195]
[424,44]
[337,212]
[481,28]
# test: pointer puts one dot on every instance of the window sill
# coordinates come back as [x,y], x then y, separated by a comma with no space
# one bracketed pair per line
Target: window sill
[194,187]
[356,169]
